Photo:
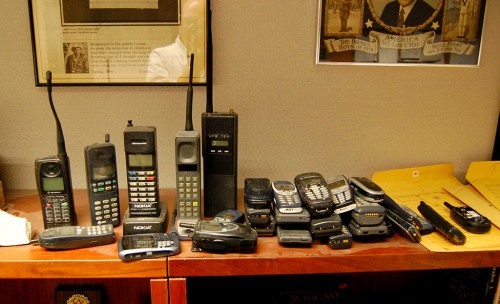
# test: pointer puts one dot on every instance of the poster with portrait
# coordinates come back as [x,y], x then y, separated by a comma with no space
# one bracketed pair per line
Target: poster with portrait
[117,42]
[400,32]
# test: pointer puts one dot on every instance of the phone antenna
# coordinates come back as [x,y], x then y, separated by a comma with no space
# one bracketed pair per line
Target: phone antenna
[61,145]
[189,101]
[210,106]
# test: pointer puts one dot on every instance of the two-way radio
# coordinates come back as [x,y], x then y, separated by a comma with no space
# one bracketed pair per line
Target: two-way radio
[53,179]
[188,165]
[142,170]
[219,149]
[102,183]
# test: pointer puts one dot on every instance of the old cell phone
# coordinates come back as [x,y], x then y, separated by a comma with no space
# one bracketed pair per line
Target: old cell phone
[292,218]
[258,192]
[367,214]
[384,229]
[102,183]
[142,170]
[53,179]
[286,197]
[209,235]
[341,192]
[404,227]
[340,239]
[293,236]
[325,226]
[148,245]
[73,237]
[258,216]
[469,219]
[314,193]
[367,189]
[424,226]
[389,204]
[188,164]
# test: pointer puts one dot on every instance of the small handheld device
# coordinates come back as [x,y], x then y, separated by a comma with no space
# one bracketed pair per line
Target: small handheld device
[220,161]
[102,183]
[368,214]
[73,237]
[258,192]
[293,236]
[292,218]
[469,219]
[314,193]
[150,245]
[389,204]
[325,226]
[443,226]
[357,230]
[187,159]
[367,189]
[142,170]
[53,179]
[404,227]
[218,236]
[286,197]
[341,192]
[424,226]
[258,216]
[340,239]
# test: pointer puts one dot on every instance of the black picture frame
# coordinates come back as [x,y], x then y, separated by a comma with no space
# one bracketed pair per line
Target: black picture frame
[112,42]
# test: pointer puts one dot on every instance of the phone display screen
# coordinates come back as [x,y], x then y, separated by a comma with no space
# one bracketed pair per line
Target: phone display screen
[52,184]
[140,160]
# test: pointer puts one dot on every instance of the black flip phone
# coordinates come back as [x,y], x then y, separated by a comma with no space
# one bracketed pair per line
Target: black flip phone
[53,181]
[142,170]
[102,183]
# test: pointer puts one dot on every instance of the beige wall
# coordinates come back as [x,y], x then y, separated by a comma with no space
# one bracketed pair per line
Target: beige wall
[294,116]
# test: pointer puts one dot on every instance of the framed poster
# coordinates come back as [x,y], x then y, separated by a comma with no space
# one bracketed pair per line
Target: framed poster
[119,42]
[400,32]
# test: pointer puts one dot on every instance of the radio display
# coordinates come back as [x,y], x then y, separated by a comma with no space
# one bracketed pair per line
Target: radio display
[220,143]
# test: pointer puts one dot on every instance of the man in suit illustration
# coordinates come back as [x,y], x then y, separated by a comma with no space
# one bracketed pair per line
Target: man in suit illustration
[407,13]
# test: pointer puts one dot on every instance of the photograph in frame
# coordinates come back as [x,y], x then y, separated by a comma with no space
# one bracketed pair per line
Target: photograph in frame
[400,32]
[119,42]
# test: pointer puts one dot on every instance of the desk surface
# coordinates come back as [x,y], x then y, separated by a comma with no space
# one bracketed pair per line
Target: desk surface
[32,261]
[392,254]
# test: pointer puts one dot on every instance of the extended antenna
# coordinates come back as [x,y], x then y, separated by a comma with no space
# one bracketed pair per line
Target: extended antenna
[61,145]
[210,106]
[189,102]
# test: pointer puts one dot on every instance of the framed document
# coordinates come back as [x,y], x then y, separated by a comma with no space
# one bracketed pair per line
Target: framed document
[400,32]
[119,42]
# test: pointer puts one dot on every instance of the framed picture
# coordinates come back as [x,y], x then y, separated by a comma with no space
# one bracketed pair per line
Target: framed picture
[400,32]
[120,42]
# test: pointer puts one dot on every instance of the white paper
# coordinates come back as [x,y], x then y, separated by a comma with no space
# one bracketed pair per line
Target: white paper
[14,230]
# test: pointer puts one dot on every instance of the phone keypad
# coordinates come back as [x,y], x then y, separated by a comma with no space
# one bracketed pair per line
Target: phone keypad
[142,186]
[289,199]
[188,196]
[317,191]
[341,197]
[57,211]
